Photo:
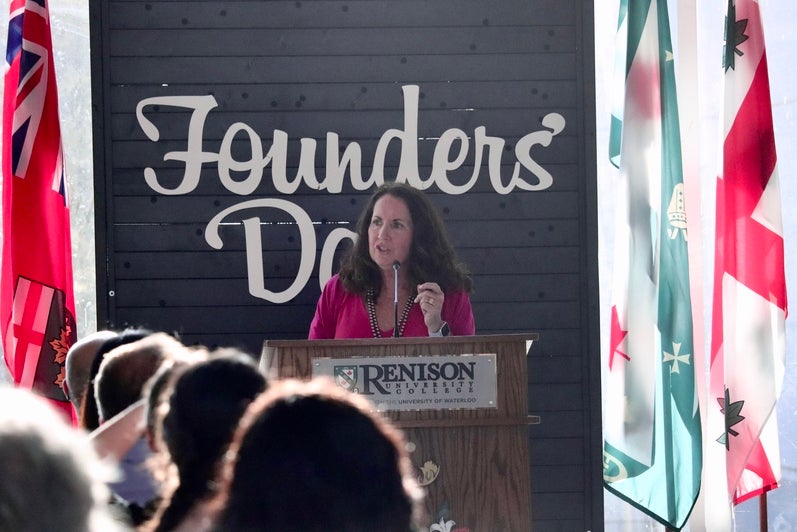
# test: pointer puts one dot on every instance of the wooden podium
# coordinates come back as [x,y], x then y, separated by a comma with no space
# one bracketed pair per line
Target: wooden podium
[473,462]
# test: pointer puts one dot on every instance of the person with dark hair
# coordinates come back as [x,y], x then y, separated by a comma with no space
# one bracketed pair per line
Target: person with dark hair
[88,416]
[399,235]
[126,369]
[312,457]
[156,393]
[202,408]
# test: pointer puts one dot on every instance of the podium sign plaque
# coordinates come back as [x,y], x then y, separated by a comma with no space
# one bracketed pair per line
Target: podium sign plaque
[416,383]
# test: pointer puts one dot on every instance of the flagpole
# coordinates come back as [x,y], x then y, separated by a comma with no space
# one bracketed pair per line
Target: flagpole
[763,518]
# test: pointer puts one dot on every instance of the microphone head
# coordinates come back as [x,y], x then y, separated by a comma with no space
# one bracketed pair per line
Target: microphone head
[396,265]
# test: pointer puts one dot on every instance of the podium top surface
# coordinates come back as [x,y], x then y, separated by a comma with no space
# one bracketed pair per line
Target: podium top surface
[363,342]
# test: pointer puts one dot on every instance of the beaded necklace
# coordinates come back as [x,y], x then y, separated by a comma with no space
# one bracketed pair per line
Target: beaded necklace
[371,305]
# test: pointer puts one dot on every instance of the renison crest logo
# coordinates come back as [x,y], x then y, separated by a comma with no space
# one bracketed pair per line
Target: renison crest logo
[346,377]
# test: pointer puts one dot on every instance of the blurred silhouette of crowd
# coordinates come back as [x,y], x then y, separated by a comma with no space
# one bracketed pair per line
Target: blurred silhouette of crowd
[188,438]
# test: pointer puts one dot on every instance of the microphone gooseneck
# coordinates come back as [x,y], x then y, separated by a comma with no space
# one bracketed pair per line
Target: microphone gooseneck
[396,266]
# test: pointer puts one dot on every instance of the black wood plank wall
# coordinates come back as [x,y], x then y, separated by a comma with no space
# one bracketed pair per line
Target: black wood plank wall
[308,68]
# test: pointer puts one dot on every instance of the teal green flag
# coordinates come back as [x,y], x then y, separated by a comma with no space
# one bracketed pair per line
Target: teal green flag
[652,436]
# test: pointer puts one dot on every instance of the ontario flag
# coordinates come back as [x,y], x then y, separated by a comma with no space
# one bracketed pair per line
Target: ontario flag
[749,309]
[652,434]
[37,305]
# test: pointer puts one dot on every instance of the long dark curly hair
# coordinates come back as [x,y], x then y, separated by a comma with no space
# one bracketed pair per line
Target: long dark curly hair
[432,257]
[312,457]
[207,400]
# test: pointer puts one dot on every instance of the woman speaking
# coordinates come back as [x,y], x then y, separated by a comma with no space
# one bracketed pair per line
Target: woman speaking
[401,248]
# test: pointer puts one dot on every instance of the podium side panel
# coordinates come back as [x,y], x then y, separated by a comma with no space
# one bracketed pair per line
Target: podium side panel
[482,482]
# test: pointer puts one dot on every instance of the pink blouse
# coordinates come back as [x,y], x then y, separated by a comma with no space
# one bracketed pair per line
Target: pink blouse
[342,314]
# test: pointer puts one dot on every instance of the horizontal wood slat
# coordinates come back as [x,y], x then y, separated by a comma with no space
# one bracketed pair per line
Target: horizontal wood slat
[281,234]
[522,210]
[515,67]
[180,264]
[324,14]
[297,42]
[365,127]
[275,319]
[476,94]
[227,291]
[129,181]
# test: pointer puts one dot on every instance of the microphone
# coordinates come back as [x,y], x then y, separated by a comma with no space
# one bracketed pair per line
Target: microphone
[396,266]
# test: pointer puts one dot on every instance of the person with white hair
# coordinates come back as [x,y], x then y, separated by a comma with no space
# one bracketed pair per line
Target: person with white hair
[50,476]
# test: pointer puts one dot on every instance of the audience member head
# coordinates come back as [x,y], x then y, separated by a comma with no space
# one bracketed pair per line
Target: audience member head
[78,365]
[50,477]
[126,369]
[156,392]
[205,403]
[88,417]
[309,456]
